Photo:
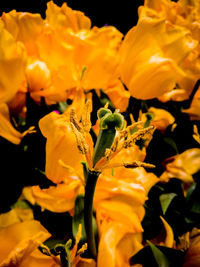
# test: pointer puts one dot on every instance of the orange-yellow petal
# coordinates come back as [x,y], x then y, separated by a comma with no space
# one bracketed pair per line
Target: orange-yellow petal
[15,215]
[7,131]
[24,27]
[19,241]
[65,18]
[12,65]
[59,198]
[161,118]
[118,96]
[182,166]
[150,50]
[61,145]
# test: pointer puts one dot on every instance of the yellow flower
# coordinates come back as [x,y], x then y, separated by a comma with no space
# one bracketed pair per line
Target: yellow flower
[64,44]
[60,140]
[19,243]
[182,166]
[7,130]
[150,64]
[161,118]
[76,54]
[119,200]
[120,193]
[12,65]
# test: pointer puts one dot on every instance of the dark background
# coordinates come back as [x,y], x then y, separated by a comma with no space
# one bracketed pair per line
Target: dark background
[121,14]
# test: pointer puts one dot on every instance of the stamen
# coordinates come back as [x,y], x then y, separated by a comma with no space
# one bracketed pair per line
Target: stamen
[81,142]
[137,135]
[86,116]
[113,148]
[136,164]
[74,120]
[132,165]
[29,131]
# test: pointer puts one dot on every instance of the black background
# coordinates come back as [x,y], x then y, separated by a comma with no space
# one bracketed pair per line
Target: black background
[121,14]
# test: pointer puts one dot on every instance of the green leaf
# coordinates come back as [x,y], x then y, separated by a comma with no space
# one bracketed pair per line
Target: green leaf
[171,142]
[146,257]
[160,257]
[165,201]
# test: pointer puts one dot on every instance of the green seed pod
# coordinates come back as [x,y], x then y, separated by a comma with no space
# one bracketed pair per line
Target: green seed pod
[109,123]
[102,112]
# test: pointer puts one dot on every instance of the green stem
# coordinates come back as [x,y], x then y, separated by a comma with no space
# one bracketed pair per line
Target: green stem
[104,141]
[88,211]
[65,262]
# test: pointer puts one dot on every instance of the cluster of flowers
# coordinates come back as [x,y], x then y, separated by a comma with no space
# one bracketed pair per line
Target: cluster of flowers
[99,164]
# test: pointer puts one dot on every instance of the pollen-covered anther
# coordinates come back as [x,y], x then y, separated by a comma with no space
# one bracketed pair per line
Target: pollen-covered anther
[113,149]
[137,136]
[136,164]
[124,133]
[80,139]
[85,119]
[74,120]
[130,165]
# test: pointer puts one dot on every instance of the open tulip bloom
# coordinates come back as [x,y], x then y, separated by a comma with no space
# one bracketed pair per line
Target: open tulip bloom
[100,138]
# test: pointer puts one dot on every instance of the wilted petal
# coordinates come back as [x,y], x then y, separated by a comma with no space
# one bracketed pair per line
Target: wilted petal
[182,166]
[59,198]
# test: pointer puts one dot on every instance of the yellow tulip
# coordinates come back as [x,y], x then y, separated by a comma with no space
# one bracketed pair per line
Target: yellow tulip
[119,208]
[182,166]
[64,47]
[150,50]
[19,244]
[161,118]
[12,65]
[120,193]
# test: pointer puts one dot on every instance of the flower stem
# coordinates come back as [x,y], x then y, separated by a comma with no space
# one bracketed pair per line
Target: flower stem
[88,211]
